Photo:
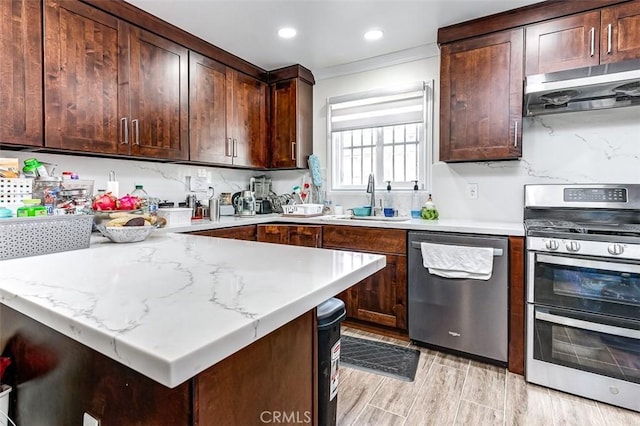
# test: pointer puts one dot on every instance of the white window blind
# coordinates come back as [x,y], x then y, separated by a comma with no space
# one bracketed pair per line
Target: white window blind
[380,132]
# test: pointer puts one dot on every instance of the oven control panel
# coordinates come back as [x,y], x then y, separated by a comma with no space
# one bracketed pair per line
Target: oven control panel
[596,195]
[584,247]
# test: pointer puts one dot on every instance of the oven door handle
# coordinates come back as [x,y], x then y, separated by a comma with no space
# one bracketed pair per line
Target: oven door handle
[582,263]
[586,325]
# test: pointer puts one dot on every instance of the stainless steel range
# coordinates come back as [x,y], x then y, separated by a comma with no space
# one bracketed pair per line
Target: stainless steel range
[583,290]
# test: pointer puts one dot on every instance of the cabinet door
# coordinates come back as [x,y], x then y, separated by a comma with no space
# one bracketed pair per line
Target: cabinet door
[481,98]
[283,124]
[246,233]
[21,72]
[303,235]
[307,236]
[564,43]
[208,111]
[291,123]
[81,95]
[381,298]
[158,90]
[620,38]
[277,234]
[247,124]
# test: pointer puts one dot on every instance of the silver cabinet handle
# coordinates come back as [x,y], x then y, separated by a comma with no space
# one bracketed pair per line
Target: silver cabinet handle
[136,125]
[235,148]
[586,325]
[227,148]
[317,241]
[515,134]
[293,150]
[124,130]
[609,35]
[593,41]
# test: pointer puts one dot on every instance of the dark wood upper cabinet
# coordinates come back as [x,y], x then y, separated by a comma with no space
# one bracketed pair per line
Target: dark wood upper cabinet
[601,36]
[481,84]
[564,43]
[21,72]
[620,32]
[81,95]
[111,87]
[291,123]
[227,115]
[158,96]
[247,119]
[208,111]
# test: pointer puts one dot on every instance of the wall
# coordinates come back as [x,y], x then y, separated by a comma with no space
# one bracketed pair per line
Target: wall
[165,181]
[418,70]
[590,147]
[583,147]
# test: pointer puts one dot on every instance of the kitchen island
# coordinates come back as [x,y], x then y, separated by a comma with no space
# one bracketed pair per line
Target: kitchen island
[180,328]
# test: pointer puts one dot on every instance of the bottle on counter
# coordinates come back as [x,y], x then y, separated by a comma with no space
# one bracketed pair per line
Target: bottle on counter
[416,207]
[149,204]
[388,201]
[429,211]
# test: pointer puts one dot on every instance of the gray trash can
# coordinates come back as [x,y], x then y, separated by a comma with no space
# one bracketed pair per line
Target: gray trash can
[330,316]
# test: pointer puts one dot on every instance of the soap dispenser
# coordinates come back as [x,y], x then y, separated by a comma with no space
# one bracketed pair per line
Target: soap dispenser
[429,211]
[388,201]
[415,202]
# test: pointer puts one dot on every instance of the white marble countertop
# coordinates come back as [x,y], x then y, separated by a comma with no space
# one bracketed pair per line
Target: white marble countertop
[444,225]
[174,305]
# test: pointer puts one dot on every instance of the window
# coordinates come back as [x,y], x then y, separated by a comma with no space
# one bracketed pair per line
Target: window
[383,132]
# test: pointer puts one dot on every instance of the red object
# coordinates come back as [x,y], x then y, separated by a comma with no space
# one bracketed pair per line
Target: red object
[4,363]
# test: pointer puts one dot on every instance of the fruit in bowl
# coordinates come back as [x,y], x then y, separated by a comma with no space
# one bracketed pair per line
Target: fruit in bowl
[109,202]
[126,234]
[120,218]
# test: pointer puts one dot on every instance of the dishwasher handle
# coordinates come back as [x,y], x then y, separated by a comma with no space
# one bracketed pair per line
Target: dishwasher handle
[496,251]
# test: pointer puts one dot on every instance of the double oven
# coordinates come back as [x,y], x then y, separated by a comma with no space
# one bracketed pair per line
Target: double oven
[583,290]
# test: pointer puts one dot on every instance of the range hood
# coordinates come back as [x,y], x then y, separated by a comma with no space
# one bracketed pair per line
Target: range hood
[598,87]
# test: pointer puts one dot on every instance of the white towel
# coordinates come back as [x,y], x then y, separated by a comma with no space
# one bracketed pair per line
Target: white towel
[451,261]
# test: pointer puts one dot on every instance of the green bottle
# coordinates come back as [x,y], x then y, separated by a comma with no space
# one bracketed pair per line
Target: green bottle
[428,210]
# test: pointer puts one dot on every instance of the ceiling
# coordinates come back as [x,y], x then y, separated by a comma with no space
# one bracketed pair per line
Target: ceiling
[330,32]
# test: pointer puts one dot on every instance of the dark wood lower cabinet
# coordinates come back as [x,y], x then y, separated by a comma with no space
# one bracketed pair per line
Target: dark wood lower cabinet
[245,232]
[56,380]
[517,303]
[295,235]
[380,299]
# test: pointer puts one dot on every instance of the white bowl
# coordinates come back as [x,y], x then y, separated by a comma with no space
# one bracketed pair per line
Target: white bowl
[126,234]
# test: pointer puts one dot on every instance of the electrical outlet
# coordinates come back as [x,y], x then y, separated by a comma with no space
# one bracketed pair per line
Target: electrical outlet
[87,420]
[472,191]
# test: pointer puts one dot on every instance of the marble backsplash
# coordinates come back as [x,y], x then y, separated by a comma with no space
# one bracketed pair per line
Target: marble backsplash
[582,147]
[162,180]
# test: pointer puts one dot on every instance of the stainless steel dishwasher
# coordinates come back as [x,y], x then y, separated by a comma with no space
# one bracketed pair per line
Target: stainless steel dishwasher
[463,314]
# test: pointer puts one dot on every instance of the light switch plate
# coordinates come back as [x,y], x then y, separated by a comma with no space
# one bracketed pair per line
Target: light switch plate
[472,191]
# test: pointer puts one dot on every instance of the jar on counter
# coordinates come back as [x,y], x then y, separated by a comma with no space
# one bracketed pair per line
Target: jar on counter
[31,207]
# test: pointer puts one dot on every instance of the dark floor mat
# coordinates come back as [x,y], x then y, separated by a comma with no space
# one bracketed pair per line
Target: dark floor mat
[381,358]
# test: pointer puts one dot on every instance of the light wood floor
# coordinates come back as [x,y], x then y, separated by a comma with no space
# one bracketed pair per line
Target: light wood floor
[449,390]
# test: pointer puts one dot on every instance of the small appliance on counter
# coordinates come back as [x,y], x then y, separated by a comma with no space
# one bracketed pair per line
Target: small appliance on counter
[261,187]
[244,203]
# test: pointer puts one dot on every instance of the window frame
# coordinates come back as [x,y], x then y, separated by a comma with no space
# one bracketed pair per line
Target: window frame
[425,135]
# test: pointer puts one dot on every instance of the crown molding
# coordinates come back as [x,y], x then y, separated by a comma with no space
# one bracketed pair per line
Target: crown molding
[395,58]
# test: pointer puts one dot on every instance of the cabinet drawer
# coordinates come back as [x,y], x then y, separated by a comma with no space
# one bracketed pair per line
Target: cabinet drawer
[393,241]
[247,232]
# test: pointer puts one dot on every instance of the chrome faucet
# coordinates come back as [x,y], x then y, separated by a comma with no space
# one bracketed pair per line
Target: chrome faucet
[371,189]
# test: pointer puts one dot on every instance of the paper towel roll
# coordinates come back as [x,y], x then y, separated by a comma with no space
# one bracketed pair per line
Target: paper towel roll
[113,187]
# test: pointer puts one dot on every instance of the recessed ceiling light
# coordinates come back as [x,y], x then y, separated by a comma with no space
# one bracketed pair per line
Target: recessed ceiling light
[373,35]
[287,32]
